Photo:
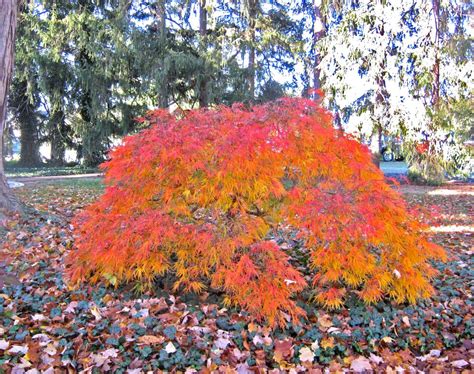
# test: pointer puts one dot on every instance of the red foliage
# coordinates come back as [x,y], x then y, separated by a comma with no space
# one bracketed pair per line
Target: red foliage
[423,147]
[199,196]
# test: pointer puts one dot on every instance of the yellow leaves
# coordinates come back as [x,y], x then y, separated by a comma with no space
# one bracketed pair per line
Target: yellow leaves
[112,279]
[387,340]
[352,279]
[371,294]
[198,194]
[186,193]
[196,287]
[331,298]
[327,342]
[384,279]
[228,302]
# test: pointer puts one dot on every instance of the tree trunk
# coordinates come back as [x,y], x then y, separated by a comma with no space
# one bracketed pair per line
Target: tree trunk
[161,18]
[57,134]
[90,140]
[319,28]
[435,88]
[203,84]
[8,21]
[252,53]
[91,137]
[381,96]
[26,116]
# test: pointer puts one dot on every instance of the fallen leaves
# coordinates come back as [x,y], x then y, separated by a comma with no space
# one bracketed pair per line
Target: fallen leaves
[103,359]
[151,339]
[48,327]
[18,349]
[96,313]
[325,321]
[306,355]
[360,365]
[4,344]
[283,350]
[170,348]
[459,364]
[406,321]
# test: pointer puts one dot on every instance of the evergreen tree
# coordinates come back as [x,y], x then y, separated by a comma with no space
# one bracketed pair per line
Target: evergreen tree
[8,24]
[24,95]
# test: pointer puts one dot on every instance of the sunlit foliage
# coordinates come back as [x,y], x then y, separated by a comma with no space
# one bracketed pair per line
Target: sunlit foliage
[201,194]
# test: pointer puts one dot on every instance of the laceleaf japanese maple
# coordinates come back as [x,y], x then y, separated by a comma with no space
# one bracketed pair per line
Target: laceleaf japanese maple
[200,194]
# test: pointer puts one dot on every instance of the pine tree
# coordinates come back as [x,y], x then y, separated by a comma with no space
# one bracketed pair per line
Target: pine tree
[24,95]
[8,24]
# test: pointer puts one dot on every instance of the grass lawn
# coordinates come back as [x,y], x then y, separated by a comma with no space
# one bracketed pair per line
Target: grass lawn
[45,324]
[19,172]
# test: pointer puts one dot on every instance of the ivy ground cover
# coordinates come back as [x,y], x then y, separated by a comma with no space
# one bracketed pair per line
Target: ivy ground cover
[45,326]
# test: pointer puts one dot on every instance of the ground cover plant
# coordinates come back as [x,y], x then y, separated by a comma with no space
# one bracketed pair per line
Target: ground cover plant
[47,325]
[202,195]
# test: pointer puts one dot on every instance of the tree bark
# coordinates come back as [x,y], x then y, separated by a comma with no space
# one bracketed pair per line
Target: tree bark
[8,22]
[92,141]
[252,11]
[381,95]
[26,117]
[318,35]
[161,19]
[435,88]
[57,134]
[203,84]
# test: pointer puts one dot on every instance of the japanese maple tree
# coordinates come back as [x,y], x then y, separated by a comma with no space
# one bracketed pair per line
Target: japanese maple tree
[201,193]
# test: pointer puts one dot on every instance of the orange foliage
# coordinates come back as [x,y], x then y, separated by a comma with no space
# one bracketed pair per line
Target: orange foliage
[200,196]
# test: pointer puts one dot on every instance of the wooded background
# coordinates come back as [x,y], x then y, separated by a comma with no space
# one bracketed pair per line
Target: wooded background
[85,69]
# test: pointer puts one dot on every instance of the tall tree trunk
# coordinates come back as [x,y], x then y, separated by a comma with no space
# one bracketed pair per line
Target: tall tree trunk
[319,30]
[57,135]
[92,142]
[8,21]
[161,20]
[26,116]
[435,88]
[203,83]
[381,95]
[23,103]
[252,11]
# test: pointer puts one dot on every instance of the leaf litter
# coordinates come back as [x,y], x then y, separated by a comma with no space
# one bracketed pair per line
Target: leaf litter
[46,326]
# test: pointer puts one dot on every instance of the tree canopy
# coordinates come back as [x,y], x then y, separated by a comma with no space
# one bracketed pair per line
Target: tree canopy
[85,69]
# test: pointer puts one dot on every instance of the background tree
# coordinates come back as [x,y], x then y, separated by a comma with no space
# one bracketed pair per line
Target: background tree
[441,80]
[8,24]
[24,94]
[203,84]
[86,68]
[357,61]
[394,77]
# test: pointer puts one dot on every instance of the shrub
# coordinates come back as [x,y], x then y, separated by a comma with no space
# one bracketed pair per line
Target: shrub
[201,195]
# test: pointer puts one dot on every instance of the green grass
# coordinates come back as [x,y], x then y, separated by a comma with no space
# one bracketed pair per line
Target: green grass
[14,171]
[86,184]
